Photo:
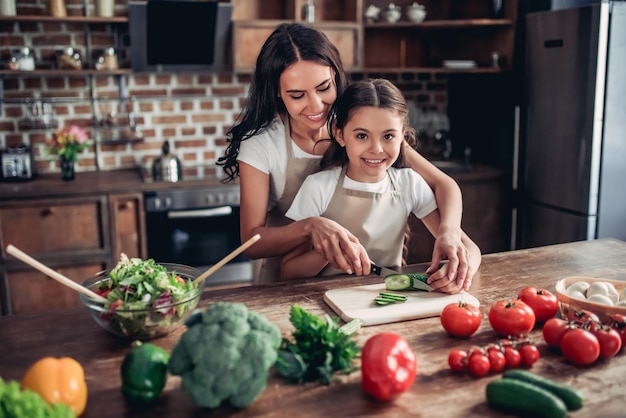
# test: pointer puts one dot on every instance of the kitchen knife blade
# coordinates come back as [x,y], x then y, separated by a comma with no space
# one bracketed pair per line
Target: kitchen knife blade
[384,272]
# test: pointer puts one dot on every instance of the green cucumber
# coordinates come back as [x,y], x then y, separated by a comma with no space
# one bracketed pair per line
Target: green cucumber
[524,399]
[572,398]
[391,296]
[405,281]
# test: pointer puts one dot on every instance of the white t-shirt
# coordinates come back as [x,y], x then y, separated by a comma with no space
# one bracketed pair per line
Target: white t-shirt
[267,152]
[317,190]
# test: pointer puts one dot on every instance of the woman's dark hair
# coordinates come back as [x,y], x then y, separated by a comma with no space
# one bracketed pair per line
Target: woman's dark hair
[289,43]
[378,93]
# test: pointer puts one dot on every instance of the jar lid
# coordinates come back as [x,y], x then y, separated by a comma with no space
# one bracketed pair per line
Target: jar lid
[22,50]
[67,51]
[109,51]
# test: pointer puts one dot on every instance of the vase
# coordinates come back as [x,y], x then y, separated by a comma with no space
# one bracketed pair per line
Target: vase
[68,172]
[57,8]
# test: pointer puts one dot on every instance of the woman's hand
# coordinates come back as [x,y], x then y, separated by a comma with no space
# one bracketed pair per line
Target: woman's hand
[440,280]
[450,246]
[338,246]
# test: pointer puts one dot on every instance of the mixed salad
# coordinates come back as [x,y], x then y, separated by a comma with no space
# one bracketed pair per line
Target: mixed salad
[144,299]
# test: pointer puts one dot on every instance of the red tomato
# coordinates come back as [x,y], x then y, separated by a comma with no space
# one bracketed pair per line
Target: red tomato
[618,323]
[581,315]
[460,319]
[513,357]
[511,318]
[388,366]
[457,360]
[580,346]
[496,359]
[543,303]
[478,363]
[610,341]
[553,331]
[529,354]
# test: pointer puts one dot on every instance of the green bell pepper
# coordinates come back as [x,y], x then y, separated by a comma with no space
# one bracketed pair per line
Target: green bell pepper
[144,372]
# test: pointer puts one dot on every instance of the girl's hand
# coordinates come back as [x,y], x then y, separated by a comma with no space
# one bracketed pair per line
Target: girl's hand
[338,246]
[449,245]
[441,282]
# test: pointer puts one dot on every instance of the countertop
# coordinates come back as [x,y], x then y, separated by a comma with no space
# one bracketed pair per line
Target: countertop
[50,185]
[436,392]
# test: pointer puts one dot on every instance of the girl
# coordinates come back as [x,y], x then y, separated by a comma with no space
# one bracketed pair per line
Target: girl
[280,138]
[362,187]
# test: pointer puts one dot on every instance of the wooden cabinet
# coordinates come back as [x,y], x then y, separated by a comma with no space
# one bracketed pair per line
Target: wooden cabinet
[453,30]
[128,224]
[486,219]
[77,236]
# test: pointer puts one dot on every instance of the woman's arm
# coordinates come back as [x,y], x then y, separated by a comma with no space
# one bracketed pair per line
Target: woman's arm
[337,245]
[448,237]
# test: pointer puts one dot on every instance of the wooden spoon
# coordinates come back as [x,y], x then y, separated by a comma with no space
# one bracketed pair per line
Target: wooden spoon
[52,273]
[201,278]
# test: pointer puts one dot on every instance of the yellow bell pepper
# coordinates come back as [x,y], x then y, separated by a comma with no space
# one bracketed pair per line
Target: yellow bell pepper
[58,380]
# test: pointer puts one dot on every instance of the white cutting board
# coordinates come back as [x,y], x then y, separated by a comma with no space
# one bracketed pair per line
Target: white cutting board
[358,302]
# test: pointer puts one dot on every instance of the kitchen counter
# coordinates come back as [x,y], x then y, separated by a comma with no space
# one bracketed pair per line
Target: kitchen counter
[436,392]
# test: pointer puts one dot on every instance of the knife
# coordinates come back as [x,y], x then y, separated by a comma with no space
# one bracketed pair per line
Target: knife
[384,272]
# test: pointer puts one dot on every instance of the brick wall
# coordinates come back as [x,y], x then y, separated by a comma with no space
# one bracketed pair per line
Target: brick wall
[193,111]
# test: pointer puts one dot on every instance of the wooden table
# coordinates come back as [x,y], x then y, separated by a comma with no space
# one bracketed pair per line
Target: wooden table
[436,392]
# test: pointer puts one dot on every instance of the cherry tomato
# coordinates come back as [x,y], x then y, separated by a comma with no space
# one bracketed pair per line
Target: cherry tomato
[543,303]
[528,354]
[457,360]
[460,319]
[609,339]
[618,323]
[496,359]
[553,331]
[512,357]
[388,366]
[511,318]
[580,346]
[478,363]
[581,315]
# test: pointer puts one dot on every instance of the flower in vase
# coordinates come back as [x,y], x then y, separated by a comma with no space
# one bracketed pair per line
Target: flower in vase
[68,142]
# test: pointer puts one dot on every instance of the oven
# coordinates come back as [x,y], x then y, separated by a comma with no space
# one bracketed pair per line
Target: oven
[197,227]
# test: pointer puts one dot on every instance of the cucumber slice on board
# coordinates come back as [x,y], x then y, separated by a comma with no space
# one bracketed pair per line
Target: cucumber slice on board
[416,281]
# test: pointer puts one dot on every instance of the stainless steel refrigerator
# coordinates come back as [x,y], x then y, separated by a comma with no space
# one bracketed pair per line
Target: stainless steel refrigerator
[573,179]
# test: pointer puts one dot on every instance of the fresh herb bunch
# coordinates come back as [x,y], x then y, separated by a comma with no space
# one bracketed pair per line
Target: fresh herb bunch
[319,349]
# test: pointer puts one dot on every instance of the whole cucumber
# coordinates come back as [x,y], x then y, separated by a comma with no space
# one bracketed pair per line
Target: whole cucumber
[572,398]
[524,399]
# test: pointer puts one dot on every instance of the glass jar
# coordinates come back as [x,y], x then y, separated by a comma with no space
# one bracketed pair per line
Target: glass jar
[107,60]
[68,59]
[22,59]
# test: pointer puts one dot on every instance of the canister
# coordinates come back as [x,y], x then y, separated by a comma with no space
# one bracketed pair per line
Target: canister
[22,59]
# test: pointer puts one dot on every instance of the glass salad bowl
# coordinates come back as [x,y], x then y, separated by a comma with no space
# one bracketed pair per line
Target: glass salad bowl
[144,299]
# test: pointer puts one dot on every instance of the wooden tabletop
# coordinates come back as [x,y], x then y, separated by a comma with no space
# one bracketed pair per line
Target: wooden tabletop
[436,392]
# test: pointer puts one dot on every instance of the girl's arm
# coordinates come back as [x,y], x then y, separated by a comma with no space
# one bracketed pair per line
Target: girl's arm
[335,243]
[301,263]
[448,238]
[439,279]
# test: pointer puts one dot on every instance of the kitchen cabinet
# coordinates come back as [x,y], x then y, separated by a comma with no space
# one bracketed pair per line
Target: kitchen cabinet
[253,22]
[485,215]
[77,236]
[129,225]
[458,31]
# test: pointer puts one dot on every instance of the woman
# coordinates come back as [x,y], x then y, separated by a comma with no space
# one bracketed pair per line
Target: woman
[280,138]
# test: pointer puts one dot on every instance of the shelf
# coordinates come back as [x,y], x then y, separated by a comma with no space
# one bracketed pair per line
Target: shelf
[63,73]
[67,19]
[442,24]
[396,70]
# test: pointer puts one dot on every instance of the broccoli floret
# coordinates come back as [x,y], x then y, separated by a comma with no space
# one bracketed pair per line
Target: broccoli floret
[225,355]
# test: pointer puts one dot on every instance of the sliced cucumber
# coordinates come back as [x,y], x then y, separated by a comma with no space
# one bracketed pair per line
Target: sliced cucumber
[405,281]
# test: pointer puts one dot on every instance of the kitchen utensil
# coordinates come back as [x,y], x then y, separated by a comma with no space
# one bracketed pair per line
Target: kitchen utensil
[358,303]
[167,167]
[226,259]
[17,253]
[384,272]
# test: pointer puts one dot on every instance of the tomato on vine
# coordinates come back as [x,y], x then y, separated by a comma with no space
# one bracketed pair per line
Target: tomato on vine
[512,357]
[529,354]
[457,360]
[478,363]
[496,359]
[553,331]
[609,340]
[580,346]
